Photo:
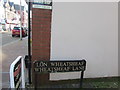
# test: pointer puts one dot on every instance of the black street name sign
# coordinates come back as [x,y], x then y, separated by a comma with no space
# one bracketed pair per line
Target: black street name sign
[43,2]
[59,66]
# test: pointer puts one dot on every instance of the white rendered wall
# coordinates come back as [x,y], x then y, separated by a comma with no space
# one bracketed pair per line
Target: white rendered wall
[86,30]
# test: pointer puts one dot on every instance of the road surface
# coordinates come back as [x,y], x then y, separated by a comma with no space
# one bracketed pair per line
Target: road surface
[6,38]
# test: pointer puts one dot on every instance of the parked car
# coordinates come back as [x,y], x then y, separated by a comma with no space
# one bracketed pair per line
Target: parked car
[16,31]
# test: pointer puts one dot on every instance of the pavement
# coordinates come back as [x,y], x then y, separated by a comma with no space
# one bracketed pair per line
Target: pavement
[4,31]
[8,54]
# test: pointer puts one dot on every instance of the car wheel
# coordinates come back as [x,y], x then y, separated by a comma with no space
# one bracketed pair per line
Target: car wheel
[13,35]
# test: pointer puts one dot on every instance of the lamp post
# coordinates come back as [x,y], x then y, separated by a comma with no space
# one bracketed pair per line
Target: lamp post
[29,45]
[20,22]
[28,57]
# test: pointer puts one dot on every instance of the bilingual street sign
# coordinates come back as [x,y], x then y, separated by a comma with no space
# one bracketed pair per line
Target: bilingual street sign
[59,66]
[43,4]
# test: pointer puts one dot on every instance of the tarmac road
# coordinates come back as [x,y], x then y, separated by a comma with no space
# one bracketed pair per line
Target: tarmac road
[6,38]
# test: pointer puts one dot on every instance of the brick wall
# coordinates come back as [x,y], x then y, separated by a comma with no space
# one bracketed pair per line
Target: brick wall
[41,34]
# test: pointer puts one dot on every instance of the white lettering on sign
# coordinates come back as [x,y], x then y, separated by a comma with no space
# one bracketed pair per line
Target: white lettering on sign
[59,66]
[41,64]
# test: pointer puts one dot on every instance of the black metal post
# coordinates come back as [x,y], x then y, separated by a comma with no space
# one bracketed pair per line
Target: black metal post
[81,79]
[29,43]
[35,78]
